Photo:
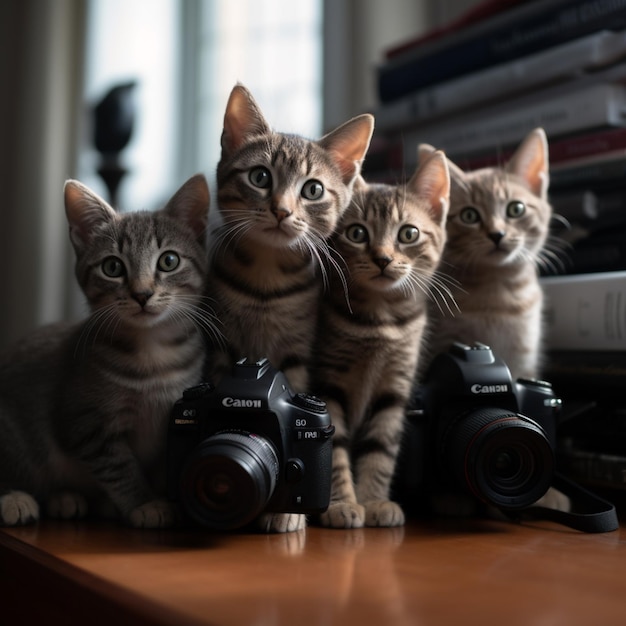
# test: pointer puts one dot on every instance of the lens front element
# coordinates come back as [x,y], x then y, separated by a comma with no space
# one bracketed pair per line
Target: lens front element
[503,458]
[229,479]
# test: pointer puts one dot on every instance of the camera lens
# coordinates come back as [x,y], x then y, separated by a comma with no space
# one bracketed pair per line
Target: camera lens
[228,479]
[503,458]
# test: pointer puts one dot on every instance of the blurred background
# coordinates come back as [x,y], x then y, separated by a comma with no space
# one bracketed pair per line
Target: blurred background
[309,63]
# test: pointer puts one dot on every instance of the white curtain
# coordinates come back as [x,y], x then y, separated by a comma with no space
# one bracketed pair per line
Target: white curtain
[41,48]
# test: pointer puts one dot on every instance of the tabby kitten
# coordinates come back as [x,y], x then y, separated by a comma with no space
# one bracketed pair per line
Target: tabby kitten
[84,407]
[391,239]
[497,229]
[279,197]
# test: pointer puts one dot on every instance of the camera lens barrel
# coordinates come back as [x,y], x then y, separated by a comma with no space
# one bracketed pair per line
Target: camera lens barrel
[503,458]
[228,479]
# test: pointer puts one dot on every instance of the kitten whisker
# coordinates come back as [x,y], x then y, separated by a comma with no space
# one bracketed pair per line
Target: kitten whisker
[322,246]
[203,319]
[229,234]
[441,286]
[554,256]
[94,322]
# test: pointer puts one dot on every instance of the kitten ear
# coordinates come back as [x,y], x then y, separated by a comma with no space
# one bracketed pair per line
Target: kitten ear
[530,162]
[424,150]
[458,178]
[348,144]
[242,119]
[359,183]
[190,204]
[432,181]
[85,211]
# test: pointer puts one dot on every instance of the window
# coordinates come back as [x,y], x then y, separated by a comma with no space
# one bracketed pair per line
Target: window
[186,57]
[273,47]
[136,40]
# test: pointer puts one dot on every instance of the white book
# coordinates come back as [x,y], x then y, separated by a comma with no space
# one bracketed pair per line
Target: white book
[558,63]
[592,106]
[585,311]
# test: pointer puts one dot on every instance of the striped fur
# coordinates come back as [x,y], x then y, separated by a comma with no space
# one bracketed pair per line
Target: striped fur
[279,198]
[494,248]
[84,407]
[367,349]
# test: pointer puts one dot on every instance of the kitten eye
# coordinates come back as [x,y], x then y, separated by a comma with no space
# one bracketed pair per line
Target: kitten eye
[113,267]
[408,234]
[516,208]
[357,233]
[469,215]
[260,177]
[168,262]
[312,190]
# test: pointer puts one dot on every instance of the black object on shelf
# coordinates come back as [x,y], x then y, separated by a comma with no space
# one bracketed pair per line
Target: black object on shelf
[114,117]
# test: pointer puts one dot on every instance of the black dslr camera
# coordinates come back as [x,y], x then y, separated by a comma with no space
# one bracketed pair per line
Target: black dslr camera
[474,430]
[247,446]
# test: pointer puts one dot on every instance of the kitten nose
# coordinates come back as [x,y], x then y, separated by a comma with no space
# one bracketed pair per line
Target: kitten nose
[497,236]
[382,261]
[280,213]
[142,296]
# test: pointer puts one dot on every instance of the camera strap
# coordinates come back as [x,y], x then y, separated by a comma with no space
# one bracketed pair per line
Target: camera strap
[589,513]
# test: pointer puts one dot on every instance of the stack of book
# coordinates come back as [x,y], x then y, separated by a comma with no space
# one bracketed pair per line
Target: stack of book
[475,89]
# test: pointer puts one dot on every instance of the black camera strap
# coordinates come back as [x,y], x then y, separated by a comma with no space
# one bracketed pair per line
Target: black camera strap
[589,513]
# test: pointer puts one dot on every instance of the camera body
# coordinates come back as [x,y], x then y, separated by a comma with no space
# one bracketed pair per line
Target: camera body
[246,446]
[471,429]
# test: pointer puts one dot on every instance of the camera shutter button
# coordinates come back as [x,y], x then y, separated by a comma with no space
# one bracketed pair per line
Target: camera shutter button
[309,402]
[294,472]
[198,391]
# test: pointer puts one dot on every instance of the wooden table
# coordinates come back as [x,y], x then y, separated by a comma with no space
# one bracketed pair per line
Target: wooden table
[429,573]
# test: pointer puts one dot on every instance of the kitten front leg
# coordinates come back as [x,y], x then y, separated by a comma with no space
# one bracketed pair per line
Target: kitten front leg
[66,505]
[281,522]
[18,508]
[555,499]
[375,465]
[344,511]
[118,472]
[153,514]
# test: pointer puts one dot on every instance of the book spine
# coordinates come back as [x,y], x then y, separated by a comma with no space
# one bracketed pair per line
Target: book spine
[485,14]
[602,169]
[592,468]
[587,144]
[595,106]
[586,372]
[550,25]
[585,312]
[593,208]
[504,80]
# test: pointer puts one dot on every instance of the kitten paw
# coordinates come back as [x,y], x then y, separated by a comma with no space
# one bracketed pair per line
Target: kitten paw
[18,508]
[66,505]
[154,514]
[554,499]
[383,513]
[281,522]
[343,515]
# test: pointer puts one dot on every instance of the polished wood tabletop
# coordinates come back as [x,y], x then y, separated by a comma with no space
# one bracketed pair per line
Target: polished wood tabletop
[428,573]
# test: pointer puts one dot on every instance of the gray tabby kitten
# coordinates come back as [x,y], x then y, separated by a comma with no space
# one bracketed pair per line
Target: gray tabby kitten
[497,230]
[280,197]
[498,226]
[391,239]
[84,407]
